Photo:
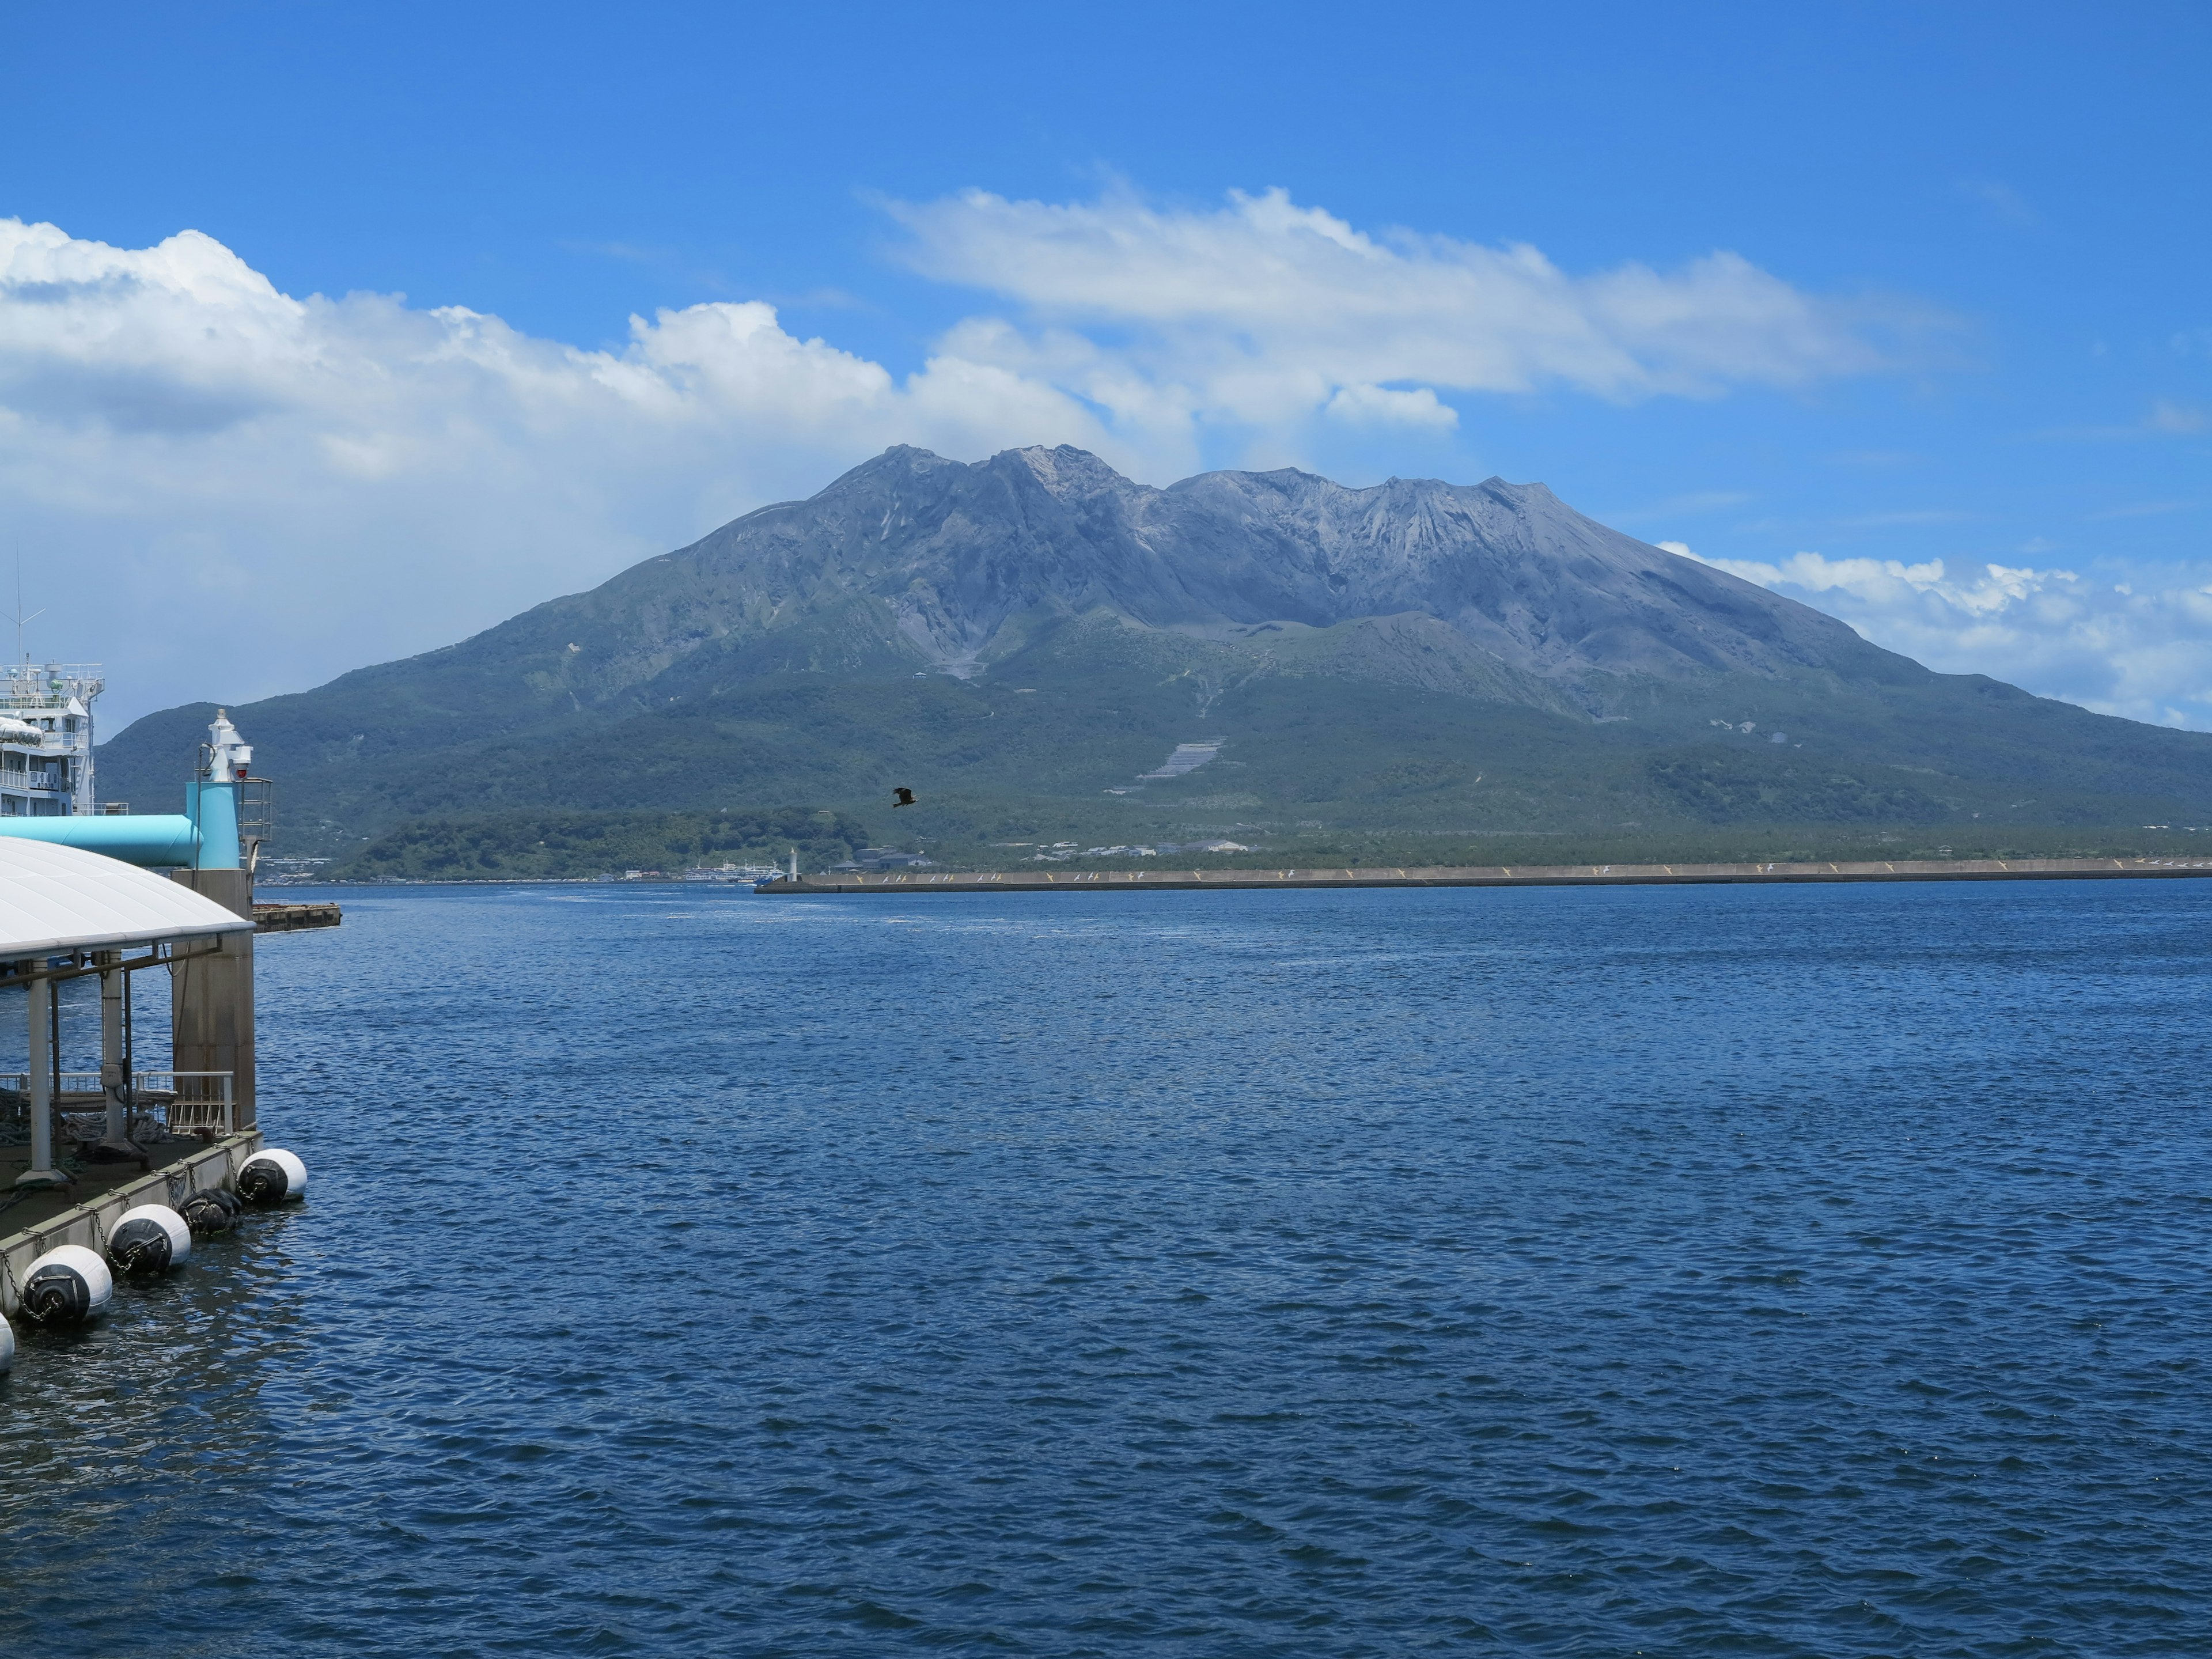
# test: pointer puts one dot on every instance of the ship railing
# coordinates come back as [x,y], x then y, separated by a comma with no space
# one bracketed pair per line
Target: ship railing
[183,1102]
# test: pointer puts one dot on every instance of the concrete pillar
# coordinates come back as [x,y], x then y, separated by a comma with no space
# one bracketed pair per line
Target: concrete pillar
[211,996]
[40,1065]
[114,1065]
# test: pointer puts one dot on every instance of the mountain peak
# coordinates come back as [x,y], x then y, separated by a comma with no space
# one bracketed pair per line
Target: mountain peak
[1063,468]
[965,559]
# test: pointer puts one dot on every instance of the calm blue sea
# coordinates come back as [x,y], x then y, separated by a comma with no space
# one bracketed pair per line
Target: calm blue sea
[1824,1271]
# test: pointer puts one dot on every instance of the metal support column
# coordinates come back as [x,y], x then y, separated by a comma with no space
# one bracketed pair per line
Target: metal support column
[114,1056]
[40,997]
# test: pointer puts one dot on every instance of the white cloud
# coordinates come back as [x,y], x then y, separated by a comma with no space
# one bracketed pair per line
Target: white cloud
[219,488]
[1374,405]
[1260,310]
[1688,505]
[1905,519]
[2138,510]
[2164,419]
[2141,648]
[2004,204]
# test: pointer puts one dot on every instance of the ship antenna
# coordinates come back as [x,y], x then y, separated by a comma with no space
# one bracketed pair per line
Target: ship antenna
[19,618]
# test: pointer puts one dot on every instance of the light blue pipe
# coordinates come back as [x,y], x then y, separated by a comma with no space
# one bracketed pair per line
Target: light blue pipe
[158,839]
[214,807]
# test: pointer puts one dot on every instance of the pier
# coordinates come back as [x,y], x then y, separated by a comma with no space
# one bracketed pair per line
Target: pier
[81,1147]
[281,918]
[1547,875]
[86,1212]
[140,903]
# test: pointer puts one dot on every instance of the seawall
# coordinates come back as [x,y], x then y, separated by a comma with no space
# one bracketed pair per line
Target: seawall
[1549,875]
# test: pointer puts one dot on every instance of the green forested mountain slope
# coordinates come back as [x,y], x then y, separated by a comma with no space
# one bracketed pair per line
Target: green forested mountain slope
[1020,639]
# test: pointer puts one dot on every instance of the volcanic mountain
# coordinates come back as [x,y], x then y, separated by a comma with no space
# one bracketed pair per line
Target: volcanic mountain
[1022,639]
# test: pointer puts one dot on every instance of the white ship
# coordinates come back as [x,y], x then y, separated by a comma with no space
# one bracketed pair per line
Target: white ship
[45,740]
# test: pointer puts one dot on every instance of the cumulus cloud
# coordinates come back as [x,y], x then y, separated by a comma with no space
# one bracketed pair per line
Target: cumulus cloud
[1260,310]
[221,488]
[1374,405]
[2141,649]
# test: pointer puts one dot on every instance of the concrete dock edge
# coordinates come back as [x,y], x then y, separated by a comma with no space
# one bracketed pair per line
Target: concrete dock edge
[89,1223]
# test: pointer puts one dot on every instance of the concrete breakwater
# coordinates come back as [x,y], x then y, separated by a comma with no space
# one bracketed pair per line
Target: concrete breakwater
[1550,875]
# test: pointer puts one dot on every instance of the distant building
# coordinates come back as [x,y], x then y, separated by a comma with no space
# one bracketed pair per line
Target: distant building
[45,739]
[881,858]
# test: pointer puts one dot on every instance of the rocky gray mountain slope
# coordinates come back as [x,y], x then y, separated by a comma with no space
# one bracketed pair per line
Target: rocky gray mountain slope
[1037,628]
[959,565]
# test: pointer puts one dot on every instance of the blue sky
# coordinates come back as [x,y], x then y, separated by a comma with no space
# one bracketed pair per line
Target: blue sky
[1860,302]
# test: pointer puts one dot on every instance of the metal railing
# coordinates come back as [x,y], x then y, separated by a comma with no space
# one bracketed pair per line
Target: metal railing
[185,1102]
[256,807]
[196,1100]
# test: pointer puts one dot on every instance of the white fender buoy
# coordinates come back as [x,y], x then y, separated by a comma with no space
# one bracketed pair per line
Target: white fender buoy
[150,1238]
[7,1346]
[66,1285]
[272,1175]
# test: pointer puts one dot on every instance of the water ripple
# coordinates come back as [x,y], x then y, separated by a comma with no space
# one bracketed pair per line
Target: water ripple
[1815,1271]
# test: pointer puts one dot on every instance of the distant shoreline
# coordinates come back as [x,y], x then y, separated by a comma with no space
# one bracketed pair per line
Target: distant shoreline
[2140,868]
[1555,875]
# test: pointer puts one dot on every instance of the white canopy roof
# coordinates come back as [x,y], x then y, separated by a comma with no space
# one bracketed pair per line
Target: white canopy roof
[55,899]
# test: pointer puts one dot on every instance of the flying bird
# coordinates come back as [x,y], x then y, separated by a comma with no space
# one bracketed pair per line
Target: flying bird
[905,797]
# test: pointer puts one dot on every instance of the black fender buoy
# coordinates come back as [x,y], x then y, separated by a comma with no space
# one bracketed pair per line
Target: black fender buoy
[150,1238]
[272,1175]
[210,1210]
[67,1285]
